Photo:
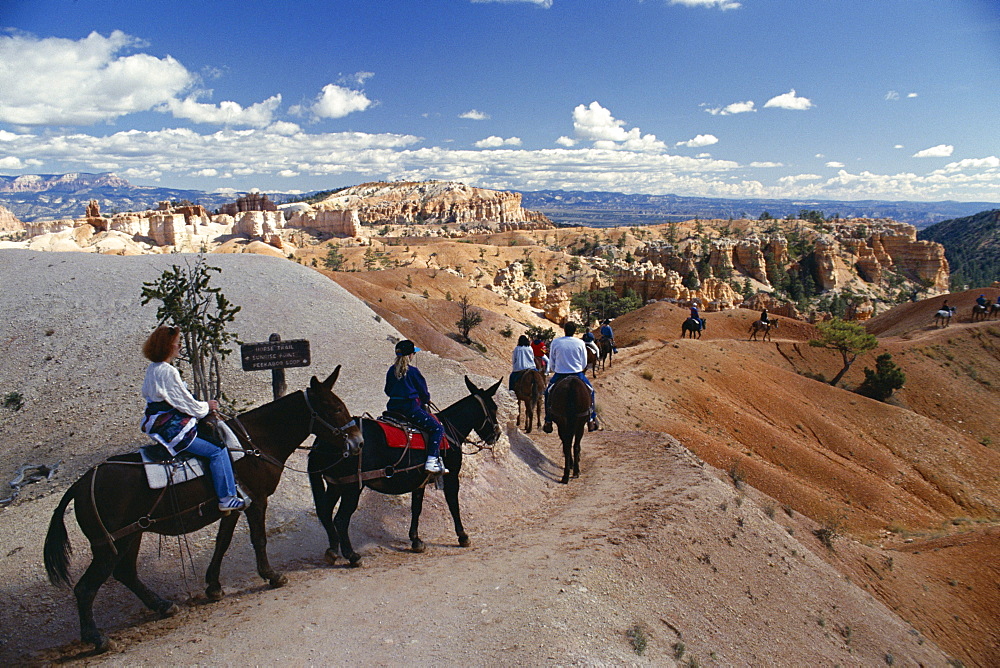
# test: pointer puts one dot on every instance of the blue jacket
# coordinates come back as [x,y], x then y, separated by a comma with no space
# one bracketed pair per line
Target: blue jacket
[606,332]
[408,392]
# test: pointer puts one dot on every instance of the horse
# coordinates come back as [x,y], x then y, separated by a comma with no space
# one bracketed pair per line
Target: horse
[942,318]
[530,391]
[569,404]
[396,471]
[607,351]
[115,506]
[692,327]
[758,326]
[979,312]
[591,363]
[994,310]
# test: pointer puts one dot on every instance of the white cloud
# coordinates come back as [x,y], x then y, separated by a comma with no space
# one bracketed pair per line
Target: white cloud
[939,151]
[287,173]
[911,95]
[898,146]
[835,164]
[595,123]
[361,77]
[892,95]
[475,115]
[55,81]
[734,108]
[720,4]
[789,100]
[334,102]
[796,178]
[699,141]
[207,172]
[11,162]
[496,142]
[566,141]
[766,165]
[225,113]
[541,3]
[990,163]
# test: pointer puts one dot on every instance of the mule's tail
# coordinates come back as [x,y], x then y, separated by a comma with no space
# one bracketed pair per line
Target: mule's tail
[57,548]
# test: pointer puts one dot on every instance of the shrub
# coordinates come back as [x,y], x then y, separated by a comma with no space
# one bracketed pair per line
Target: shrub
[13,400]
[883,381]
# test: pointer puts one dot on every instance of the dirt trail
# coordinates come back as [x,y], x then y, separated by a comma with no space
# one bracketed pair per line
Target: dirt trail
[649,542]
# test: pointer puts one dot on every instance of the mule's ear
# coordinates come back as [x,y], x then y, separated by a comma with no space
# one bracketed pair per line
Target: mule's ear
[472,386]
[329,382]
[490,392]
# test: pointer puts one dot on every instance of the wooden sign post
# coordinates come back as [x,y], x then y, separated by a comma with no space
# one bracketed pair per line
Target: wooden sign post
[276,355]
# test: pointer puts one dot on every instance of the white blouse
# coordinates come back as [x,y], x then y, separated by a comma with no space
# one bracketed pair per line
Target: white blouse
[163,383]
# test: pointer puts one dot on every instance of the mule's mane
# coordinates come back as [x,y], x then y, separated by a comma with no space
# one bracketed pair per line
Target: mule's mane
[279,403]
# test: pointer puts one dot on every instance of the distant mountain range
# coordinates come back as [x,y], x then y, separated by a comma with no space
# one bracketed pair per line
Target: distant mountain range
[608,209]
[34,197]
[53,196]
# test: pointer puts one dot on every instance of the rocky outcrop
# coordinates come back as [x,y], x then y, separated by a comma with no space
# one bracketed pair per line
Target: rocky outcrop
[655,282]
[9,222]
[248,202]
[336,222]
[34,183]
[433,202]
[512,283]
[262,225]
[557,307]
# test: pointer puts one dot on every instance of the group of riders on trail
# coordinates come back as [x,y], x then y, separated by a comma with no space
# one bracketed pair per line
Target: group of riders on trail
[172,412]
[566,356]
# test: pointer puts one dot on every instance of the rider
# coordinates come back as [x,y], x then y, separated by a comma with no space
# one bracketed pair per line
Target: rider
[982,300]
[172,413]
[694,314]
[541,359]
[521,360]
[763,316]
[588,340]
[409,396]
[607,333]
[569,358]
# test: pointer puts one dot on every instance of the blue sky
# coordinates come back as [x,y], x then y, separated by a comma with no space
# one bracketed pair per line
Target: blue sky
[826,99]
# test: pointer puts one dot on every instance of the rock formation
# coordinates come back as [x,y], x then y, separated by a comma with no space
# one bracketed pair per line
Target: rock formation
[429,202]
[248,202]
[512,283]
[9,222]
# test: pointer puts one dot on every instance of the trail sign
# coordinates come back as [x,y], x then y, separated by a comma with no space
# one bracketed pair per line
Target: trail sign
[274,354]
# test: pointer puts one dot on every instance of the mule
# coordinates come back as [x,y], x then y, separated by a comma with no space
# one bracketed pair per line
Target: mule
[979,312]
[591,363]
[758,326]
[569,405]
[607,351]
[942,318]
[530,392]
[115,506]
[692,327]
[397,471]
[994,311]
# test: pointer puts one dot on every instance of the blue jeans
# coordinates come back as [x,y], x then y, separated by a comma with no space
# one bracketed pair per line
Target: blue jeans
[556,377]
[219,465]
[432,429]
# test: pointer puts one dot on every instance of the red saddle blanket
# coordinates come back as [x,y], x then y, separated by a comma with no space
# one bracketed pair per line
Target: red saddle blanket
[396,437]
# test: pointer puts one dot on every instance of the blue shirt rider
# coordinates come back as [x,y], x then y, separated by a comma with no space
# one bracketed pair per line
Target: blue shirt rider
[607,333]
[408,395]
[694,315]
[983,301]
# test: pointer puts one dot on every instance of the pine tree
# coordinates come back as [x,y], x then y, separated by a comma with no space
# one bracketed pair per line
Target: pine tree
[848,338]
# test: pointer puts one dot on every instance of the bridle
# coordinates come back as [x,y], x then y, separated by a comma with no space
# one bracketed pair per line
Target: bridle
[450,433]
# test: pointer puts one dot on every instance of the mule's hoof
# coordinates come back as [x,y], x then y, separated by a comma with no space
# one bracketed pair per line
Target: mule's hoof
[418,546]
[463,541]
[354,561]
[565,480]
[101,643]
[330,556]
[278,580]
[170,611]
[214,593]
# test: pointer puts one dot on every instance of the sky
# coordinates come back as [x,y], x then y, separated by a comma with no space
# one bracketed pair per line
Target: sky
[797,99]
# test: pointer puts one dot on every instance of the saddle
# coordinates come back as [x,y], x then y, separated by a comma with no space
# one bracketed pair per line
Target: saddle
[163,469]
[399,433]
